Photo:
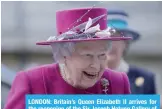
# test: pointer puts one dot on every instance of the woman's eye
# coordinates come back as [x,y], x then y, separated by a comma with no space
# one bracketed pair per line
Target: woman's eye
[88,55]
[102,56]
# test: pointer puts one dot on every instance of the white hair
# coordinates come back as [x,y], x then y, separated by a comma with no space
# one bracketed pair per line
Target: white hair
[64,49]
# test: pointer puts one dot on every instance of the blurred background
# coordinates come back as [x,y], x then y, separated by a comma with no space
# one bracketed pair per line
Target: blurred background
[25,23]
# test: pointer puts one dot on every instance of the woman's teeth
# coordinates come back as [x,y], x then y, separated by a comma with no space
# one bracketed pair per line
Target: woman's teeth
[90,73]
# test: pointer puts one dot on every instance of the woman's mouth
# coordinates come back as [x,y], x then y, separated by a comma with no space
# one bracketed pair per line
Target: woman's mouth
[90,75]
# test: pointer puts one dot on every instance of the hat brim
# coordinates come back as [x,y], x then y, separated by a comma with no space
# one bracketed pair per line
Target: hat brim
[131,33]
[80,40]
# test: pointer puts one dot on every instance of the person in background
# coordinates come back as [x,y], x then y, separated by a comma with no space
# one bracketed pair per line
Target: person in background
[80,50]
[141,80]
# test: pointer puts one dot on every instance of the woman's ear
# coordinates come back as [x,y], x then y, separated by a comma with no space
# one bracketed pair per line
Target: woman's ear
[63,60]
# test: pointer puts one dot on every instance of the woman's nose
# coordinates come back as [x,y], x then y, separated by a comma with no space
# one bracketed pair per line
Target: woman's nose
[95,63]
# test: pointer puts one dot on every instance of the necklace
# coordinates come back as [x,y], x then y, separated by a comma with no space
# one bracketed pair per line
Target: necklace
[63,72]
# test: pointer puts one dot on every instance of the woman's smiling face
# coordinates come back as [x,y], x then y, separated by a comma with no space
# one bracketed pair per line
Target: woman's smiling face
[86,65]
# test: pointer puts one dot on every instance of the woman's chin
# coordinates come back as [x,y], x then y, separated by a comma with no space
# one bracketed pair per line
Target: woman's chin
[86,82]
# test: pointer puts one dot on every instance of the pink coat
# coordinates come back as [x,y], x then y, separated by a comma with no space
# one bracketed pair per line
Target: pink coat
[47,80]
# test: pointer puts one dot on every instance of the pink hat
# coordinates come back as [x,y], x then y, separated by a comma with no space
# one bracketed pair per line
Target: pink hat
[87,24]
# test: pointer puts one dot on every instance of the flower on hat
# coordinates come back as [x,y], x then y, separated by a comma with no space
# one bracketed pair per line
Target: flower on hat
[88,31]
[96,30]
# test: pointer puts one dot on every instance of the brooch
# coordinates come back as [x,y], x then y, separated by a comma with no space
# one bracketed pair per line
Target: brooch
[105,84]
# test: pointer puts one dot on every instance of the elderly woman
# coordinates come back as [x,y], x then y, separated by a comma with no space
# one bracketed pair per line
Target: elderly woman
[80,50]
[142,81]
